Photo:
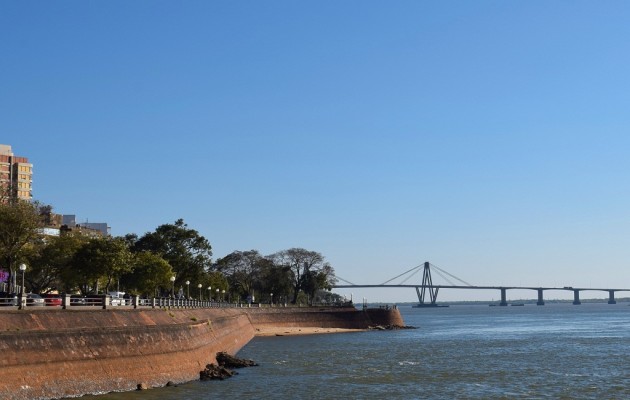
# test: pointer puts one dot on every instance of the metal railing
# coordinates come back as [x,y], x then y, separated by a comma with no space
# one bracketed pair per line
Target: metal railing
[77,302]
[109,302]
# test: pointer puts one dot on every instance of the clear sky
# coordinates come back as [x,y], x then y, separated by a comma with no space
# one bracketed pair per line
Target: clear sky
[490,138]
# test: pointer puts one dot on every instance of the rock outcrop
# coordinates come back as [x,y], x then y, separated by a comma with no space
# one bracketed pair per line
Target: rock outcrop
[228,361]
[222,371]
[215,372]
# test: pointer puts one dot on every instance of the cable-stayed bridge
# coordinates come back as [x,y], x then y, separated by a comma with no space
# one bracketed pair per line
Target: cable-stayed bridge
[427,292]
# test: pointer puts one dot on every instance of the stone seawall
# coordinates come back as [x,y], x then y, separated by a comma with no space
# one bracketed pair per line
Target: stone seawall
[323,317]
[61,353]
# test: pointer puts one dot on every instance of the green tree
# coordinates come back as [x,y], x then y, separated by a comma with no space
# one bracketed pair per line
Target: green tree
[304,265]
[188,252]
[51,261]
[150,275]
[216,280]
[242,269]
[19,224]
[103,259]
[314,281]
[276,279]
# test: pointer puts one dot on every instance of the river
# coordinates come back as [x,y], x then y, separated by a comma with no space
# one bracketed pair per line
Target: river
[558,351]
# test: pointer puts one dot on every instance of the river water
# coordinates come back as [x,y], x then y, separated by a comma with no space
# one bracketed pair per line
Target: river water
[556,351]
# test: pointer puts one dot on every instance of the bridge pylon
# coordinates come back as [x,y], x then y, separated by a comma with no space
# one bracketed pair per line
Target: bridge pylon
[427,288]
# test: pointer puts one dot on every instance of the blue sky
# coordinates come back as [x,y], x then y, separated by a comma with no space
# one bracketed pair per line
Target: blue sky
[487,137]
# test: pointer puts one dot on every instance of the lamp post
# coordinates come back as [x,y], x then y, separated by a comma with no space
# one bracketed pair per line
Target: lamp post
[199,286]
[209,293]
[222,294]
[22,268]
[218,290]
[187,290]
[271,294]
[173,287]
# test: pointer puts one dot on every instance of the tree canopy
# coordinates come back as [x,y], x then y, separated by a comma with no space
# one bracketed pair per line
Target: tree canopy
[145,265]
[19,224]
[187,252]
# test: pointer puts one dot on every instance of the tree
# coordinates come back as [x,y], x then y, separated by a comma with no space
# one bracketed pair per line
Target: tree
[19,224]
[148,275]
[101,258]
[215,280]
[51,261]
[304,266]
[315,280]
[242,269]
[276,279]
[188,253]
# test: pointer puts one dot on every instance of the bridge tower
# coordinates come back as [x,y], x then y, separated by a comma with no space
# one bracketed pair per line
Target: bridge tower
[426,287]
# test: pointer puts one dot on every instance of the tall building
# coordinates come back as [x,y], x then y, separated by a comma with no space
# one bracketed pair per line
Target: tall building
[16,174]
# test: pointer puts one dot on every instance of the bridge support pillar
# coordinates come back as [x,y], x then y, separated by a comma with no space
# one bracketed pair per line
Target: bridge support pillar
[503,298]
[576,297]
[611,297]
[540,301]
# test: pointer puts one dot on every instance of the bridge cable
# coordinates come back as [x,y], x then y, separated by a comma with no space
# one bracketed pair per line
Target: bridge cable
[444,277]
[410,276]
[398,276]
[451,275]
[343,280]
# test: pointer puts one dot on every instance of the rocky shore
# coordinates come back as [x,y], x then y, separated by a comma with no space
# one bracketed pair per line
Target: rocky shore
[224,368]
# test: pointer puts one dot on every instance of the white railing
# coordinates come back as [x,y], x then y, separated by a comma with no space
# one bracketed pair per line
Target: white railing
[109,302]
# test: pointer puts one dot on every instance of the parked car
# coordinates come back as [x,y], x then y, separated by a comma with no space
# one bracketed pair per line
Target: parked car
[117,298]
[8,299]
[33,299]
[53,300]
[77,300]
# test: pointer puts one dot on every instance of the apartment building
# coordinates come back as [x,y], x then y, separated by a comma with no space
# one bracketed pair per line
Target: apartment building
[16,174]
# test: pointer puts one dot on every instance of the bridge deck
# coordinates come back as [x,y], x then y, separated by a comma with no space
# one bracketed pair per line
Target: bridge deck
[571,288]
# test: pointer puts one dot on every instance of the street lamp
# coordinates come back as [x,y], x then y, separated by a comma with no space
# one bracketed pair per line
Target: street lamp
[199,286]
[188,290]
[222,294]
[209,293]
[272,299]
[173,287]
[218,290]
[22,268]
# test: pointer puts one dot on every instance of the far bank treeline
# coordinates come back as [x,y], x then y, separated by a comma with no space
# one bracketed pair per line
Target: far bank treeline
[144,265]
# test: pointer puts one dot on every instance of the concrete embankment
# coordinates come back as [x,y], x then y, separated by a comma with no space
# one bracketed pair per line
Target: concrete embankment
[62,353]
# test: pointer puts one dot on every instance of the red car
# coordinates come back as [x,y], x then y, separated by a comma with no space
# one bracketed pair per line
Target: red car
[53,300]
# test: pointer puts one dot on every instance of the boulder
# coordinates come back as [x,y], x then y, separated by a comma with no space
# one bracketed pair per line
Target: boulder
[214,372]
[228,361]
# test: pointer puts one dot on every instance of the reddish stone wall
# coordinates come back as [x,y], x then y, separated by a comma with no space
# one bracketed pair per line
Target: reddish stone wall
[60,353]
[101,351]
[349,318]
[385,316]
